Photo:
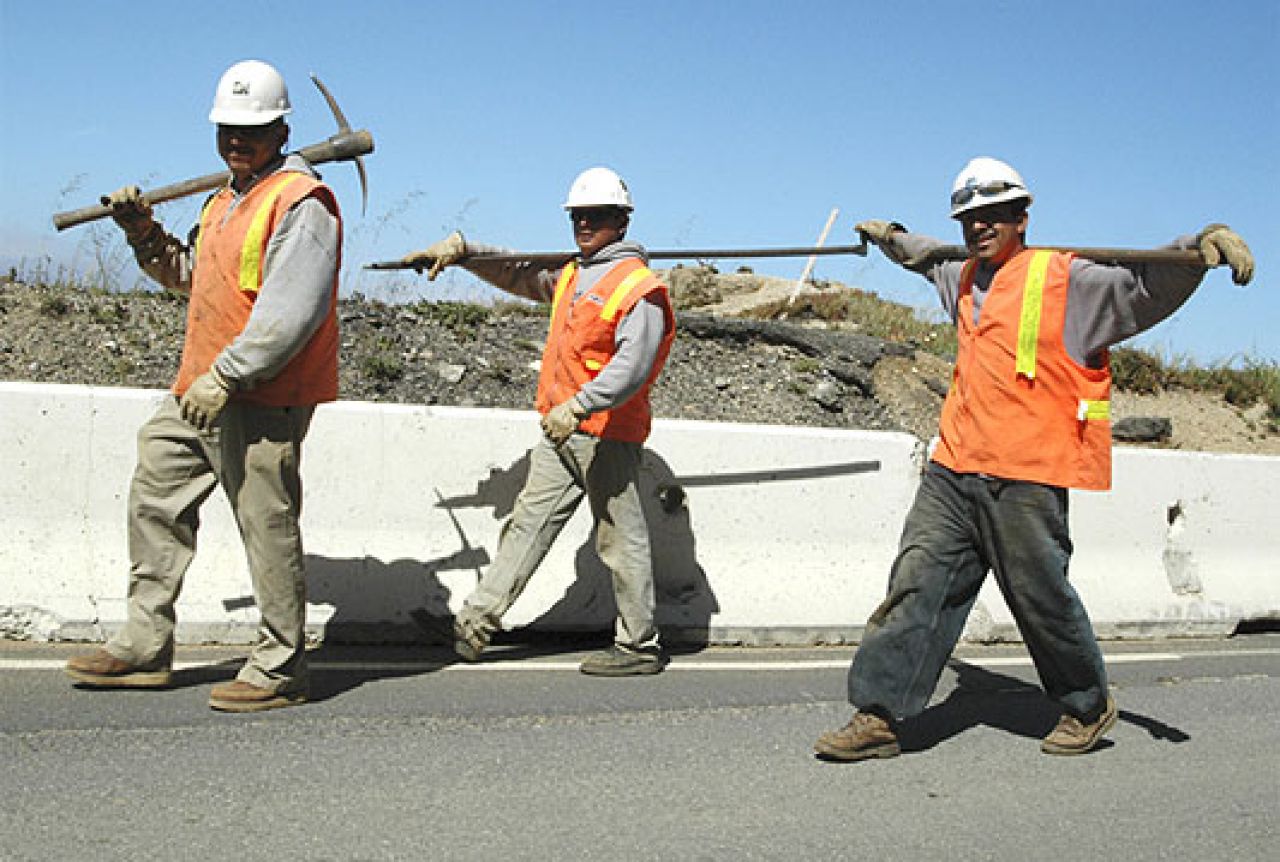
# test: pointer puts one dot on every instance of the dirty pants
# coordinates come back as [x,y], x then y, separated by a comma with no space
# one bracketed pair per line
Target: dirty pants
[254,453]
[607,473]
[960,527]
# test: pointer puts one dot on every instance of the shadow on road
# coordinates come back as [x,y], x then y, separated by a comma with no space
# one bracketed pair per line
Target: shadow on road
[986,698]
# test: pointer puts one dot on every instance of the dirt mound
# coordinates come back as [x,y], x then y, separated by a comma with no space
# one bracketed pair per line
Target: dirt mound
[722,367]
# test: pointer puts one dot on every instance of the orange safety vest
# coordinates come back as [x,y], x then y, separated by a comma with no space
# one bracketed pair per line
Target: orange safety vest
[227,276]
[580,342]
[1019,406]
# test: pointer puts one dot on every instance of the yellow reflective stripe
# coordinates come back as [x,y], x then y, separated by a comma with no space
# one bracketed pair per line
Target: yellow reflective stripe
[593,364]
[204,215]
[566,276]
[251,251]
[1093,410]
[623,290]
[562,284]
[1032,304]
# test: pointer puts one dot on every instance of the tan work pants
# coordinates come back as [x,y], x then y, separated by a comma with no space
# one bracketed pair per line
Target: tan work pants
[607,473]
[254,453]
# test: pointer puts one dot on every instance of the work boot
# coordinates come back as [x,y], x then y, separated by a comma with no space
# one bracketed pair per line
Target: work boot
[241,696]
[470,637]
[867,735]
[1073,736]
[100,669]
[618,660]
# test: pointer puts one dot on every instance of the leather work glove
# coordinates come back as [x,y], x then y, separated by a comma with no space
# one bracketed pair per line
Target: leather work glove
[1220,245]
[131,212]
[205,399]
[562,420]
[437,256]
[881,233]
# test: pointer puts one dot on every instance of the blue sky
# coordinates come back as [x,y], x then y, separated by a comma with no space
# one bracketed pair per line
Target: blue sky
[735,124]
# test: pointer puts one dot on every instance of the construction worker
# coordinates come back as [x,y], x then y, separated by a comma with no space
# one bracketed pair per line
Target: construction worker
[611,330]
[261,351]
[1025,419]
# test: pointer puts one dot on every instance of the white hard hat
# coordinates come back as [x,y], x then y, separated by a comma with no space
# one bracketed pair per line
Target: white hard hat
[985,181]
[598,187]
[250,93]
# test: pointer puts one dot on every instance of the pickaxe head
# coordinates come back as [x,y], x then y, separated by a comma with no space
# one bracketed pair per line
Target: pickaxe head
[344,134]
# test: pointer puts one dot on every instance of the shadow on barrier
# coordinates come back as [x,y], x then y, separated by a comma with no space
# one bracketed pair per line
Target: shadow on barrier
[405,602]
[984,698]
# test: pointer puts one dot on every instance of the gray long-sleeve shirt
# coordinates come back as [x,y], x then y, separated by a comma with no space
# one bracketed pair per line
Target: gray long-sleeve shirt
[297,283]
[636,340]
[1105,303]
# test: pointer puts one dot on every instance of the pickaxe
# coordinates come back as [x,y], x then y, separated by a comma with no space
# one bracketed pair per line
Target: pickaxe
[345,145]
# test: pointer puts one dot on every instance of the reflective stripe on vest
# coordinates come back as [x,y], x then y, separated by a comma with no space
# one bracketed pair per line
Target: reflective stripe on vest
[620,294]
[204,212]
[254,240]
[1029,322]
[616,300]
[1093,410]
[566,278]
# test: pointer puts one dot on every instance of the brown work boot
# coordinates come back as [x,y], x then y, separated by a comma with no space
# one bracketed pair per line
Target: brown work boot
[100,669]
[241,696]
[1073,736]
[867,735]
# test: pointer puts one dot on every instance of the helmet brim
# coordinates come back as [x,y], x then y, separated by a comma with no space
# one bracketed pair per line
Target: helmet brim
[233,117]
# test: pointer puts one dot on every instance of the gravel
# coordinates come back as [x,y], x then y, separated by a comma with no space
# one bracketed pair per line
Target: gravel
[720,369]
[723,367]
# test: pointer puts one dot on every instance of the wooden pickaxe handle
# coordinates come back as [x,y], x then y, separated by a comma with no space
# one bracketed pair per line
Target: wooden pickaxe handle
[339,147]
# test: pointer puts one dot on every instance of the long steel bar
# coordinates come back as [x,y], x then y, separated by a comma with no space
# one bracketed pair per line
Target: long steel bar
[657,254]
[1188,257]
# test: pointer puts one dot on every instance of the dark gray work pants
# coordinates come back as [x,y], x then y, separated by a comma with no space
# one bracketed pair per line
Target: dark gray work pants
[960,527]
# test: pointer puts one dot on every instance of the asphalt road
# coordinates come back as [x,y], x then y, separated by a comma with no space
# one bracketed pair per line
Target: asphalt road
[402,755]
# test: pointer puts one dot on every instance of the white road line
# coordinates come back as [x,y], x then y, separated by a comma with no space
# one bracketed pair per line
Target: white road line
[678,664]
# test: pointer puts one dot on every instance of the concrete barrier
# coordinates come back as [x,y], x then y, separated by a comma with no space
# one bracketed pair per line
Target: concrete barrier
[761,534]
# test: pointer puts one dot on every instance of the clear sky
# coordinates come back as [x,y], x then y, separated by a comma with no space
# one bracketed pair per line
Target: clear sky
[738,123]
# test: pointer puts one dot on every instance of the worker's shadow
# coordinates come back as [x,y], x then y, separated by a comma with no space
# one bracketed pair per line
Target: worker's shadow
[585,614]
[684,599]
[414,632]
[984,698]
[353,650]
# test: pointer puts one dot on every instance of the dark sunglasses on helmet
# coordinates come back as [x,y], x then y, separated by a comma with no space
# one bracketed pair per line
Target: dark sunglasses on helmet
[962,196]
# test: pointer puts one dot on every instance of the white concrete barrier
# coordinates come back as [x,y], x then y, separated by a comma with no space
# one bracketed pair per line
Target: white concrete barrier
[761,534]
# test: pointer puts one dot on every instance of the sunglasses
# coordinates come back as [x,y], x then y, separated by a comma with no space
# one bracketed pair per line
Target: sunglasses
[247,133]
[593,217]
[995,187]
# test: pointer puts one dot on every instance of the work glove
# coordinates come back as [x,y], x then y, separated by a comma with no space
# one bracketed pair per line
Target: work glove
[1219,244]
[881,233]
[205,398]
[131,212]
[562,420]
[437,256]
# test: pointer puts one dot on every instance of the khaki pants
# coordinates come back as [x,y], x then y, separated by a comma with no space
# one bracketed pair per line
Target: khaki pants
[254,453]
[606,472]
